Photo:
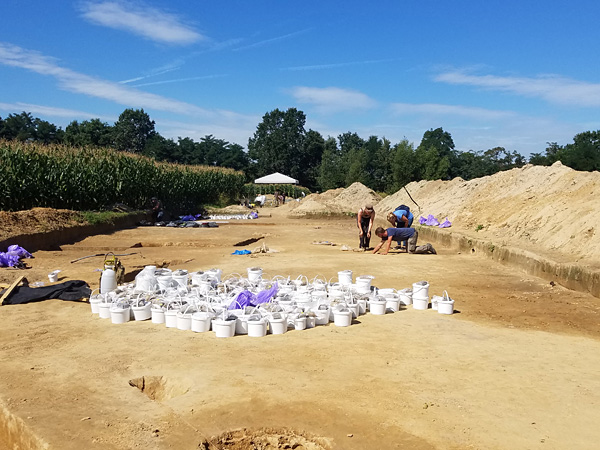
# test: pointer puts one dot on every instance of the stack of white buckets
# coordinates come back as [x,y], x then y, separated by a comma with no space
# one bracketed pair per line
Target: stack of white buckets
[203,301]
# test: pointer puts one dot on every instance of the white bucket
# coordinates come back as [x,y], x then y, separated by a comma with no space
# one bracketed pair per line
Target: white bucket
[95,302]
[319,296]
[434,301]
[184,319]
[254,274]
[392,303]
[300,323]
[377,307]
[181,277]
[223,328]
[158,314]
[104,310]
[365,279]
[278,325]
[405,296]
[53,276]
[311,321]
[362,306]
[386,291]
[257,328]
[354,309]
[241,324]
[215,274]
[142,312]
[201,321]
[446,304]
[171,318]
[322,316]
[164,282]
[363,288]
[120,313]
[420,303]
[342,318]
[146,280]
[345,277]
[420,290]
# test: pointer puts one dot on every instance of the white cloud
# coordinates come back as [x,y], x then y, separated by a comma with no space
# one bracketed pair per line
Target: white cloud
[79,83]
[332,99]
[145,21]
[552,88]
[49,111]
[435,109]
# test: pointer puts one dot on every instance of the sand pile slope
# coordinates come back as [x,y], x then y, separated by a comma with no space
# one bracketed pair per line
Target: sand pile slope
[335,201]
[547,210]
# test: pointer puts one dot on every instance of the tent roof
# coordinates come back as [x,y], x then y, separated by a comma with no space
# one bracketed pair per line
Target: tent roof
[276,178]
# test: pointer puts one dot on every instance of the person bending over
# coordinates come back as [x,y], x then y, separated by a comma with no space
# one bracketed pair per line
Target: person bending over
[364,221]
[398,235]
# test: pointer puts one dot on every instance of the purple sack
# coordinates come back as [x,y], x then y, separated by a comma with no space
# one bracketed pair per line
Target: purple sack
[431,221]
[445,224]
[422,220]
[8,259]
[19,251]
[243,299]
[266,296]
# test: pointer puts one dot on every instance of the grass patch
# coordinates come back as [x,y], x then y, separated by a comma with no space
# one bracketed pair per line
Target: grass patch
[101,217]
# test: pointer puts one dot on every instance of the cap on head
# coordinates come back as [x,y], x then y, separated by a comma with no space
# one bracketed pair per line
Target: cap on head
[369,207]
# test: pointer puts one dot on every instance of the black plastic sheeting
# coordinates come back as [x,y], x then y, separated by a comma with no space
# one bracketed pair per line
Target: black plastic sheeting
[72,290]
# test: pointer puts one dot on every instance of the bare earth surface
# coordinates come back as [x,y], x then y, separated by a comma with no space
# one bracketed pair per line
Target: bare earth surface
[515,368]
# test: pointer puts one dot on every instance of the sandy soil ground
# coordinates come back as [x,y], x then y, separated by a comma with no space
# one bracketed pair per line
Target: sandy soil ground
[515,367]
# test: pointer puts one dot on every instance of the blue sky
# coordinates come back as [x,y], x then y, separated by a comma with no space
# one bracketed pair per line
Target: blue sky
[515,74]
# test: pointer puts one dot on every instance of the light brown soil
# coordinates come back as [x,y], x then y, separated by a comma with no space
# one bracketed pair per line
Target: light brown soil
[515,367]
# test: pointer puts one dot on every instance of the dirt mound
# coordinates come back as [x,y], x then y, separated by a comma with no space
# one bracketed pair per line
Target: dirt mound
[335,201]
[550,210]
[37,220]
[264,438]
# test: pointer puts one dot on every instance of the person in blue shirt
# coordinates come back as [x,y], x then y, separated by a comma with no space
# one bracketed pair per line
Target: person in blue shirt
[398,235]
[400,218]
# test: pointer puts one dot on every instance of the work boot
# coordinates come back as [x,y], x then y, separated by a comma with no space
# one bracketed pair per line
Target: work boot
[431,249]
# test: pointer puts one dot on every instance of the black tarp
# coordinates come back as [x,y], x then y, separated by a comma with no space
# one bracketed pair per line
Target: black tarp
[72,290]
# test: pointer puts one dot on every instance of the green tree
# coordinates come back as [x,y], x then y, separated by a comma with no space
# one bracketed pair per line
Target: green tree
[583,153]
[20,127]
[404,164]
[278,143]
[132,130]
[437,154]
[89,133]
[312,155]
[331,176]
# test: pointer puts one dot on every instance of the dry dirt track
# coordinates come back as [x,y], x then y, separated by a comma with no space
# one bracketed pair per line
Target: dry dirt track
[517,368]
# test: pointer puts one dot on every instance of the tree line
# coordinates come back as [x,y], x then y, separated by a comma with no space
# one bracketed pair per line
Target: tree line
[281,143]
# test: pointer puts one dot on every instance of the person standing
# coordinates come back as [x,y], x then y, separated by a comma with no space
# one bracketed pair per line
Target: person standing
[157,209]
[401,234]
[364,221]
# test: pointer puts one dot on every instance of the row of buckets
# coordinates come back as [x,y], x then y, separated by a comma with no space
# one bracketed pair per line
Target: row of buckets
[254,304]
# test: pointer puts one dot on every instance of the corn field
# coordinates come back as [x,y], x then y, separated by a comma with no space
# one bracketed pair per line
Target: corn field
[62,177]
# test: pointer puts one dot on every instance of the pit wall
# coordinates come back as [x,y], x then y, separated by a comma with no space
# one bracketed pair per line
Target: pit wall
[15,434]
[572,276]
[54,239]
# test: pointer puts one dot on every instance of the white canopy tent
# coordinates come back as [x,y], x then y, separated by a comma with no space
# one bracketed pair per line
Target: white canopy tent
[276,178]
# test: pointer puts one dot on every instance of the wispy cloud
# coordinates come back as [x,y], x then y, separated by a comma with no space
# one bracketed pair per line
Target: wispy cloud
[333,99]
[179,80]
[436,109]
[150,23]
[11,55]
[335,65]
[552,88]
[270,41]
[49,111]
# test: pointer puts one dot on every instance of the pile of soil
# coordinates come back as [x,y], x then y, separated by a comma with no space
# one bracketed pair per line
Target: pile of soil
[37,220]
[546,210]
[335,201]
[265,438]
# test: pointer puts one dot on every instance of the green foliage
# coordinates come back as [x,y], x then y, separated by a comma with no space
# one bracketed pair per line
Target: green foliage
[479,227]
[94,179]
[101,217]
[132,130]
